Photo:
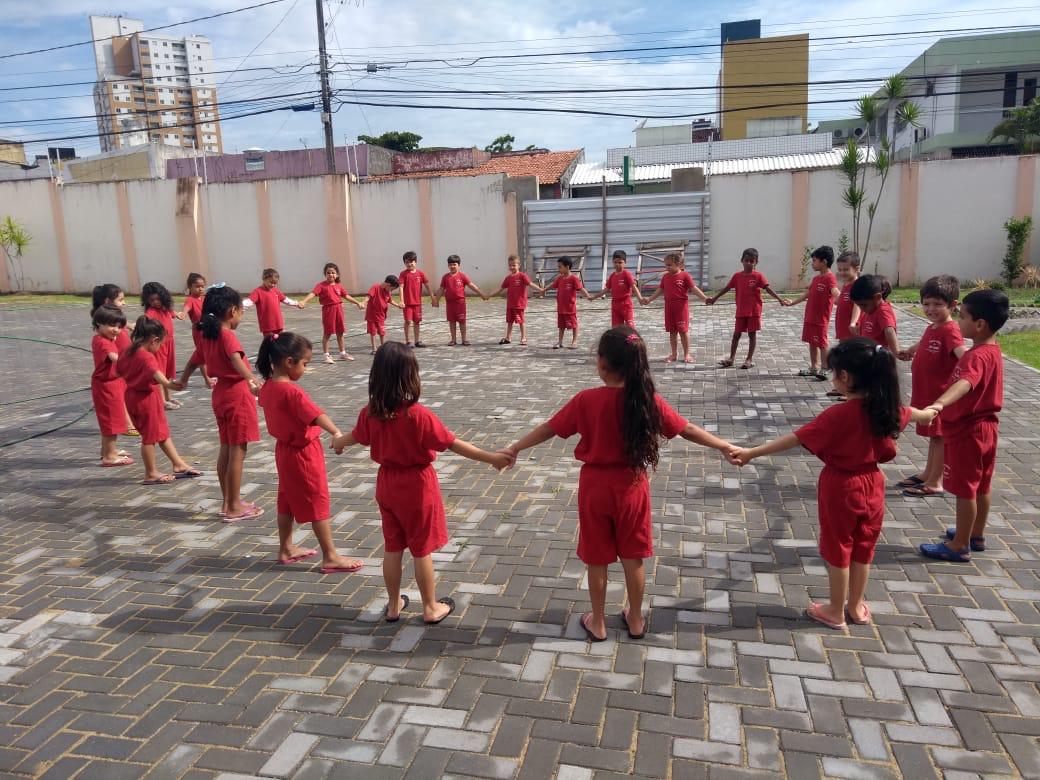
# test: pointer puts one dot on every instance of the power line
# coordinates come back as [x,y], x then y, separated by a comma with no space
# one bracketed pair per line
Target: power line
[135,79]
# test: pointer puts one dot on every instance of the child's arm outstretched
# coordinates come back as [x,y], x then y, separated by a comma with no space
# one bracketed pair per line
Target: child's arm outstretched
[306,300]
[769,290]
[699,293]
[891,340]
[698,435]
[657,294]
[169,384]
[348,297]
[539,434]
[243,371]
[726,289]
[742,455]
[499,460]
[340,441]
[476,289]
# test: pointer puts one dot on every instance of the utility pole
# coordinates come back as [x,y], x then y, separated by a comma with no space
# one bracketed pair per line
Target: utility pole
[326,93]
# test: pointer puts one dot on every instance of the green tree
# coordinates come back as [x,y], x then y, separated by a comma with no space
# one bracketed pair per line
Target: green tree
[1020,127]
[504,143]
[395,140]
[14,240]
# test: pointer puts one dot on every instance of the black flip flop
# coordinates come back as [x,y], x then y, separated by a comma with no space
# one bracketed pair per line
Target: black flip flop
[624,621]
[588,632]
[451,608]
[386,610]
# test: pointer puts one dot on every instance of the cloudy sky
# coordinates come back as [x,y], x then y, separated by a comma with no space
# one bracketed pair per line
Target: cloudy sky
[266,56]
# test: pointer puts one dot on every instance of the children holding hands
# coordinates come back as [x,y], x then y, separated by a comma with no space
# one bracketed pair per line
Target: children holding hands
[453,289]
[413,283]
[567,286]
[514,287]
[748,285]
[621,285]
[330,294]
[676,286]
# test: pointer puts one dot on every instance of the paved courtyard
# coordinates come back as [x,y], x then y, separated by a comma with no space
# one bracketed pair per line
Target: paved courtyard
[142,637]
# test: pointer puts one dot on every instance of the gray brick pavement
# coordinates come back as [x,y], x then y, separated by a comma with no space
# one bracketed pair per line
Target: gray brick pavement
[141,637]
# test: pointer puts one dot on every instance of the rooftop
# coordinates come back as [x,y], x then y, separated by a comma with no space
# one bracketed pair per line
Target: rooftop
[547,166]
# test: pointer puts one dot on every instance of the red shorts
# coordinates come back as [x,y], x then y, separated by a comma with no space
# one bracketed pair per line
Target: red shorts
[514,316]
[148,415]
[613,515]
[332,323]
[814,334]
[413,312]
[410,504]
[196,358]
[234,406]
[851,508]
[455,311]
[970,457]
[110,406]
[622,315]
[166,357]
[567,320]
[752,324]
[933,430]
[843,332]
[376,327]
[676,316]
[303,487]
[273,332]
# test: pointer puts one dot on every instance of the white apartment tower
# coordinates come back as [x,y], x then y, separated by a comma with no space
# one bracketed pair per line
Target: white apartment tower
[153,88]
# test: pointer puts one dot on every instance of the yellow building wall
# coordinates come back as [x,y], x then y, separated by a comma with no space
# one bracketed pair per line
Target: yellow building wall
[135,165]
[12,153]
[784,59]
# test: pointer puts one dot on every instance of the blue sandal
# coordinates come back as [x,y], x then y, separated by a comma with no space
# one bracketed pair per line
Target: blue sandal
[941,552]
[978,543]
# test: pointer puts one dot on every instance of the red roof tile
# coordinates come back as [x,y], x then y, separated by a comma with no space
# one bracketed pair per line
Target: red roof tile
[547,166]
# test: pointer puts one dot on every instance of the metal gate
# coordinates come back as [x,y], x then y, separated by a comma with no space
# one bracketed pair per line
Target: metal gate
[626,222]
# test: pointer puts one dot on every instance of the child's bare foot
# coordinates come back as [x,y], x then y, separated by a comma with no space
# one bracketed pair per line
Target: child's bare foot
[294,554]
[859,614]
[393,615]
[337,563]
[827,614]
[596,630]
[636,624]
[439,610]
[670,359]
[687,358]
[157,479]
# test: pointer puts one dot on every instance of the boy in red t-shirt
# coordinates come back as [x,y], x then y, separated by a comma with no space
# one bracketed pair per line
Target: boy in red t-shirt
[819,297]
[379,303]
[676,286]
[515,288]
[413,282]
[748,285]
[453,288]
[621,285]
[969,409]
[567,286]
[934,358]
[267,299]
[846,312]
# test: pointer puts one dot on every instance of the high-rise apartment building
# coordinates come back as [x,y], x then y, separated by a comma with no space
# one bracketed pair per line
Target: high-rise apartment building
[153,87]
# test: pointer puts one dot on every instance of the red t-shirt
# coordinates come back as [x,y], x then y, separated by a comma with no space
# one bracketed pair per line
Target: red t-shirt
[122,340]
[843,313]
[516,290]
[289,413]
[748,289]
[217,355]
[934,361]
[104,369]
[596,415]
[840,436]
[412,438]
[566,293]
[872,326]
[454,286]
[621,284]
[329,294]
[411,286]
[268,312]
[378,303]
[163,316]
[138,369]
[819,303]
[676,286]
[193,306]
[983,367]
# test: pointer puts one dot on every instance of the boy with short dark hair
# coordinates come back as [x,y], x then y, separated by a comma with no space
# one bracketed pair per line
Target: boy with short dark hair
[453,288]
[413,282]
[969,409]
[748,285]
[379,302]
[514,287]
[620,285]
[676,286]
[567,286]
[267,299]
[823,291]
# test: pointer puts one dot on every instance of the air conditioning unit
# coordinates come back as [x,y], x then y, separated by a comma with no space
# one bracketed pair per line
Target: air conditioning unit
[858,132]
[839,134]
[920,134]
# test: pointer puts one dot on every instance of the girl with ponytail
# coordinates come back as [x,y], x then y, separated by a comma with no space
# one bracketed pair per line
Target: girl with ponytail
[621,425]
[851,439]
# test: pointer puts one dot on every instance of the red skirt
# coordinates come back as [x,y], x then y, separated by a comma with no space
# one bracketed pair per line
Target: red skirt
[110,406]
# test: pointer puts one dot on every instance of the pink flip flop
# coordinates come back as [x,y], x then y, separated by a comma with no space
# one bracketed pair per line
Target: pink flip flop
[296,558]
[854,620]
[251,512]
[341,569]
[122,460]
[813,613]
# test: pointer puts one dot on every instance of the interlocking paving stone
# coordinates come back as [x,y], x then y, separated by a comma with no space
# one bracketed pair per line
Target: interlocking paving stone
[139,636]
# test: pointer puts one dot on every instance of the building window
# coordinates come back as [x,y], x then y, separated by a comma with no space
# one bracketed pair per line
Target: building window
[1028,91]
[1010,89]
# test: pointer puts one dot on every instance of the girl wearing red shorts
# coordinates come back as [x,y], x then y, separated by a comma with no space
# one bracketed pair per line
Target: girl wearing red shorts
[196,286]
[405,437]
[331,295]
[107,388]
[296,424]
[158,305]
[851,439]
[620,426]
[234,404]
[144,376]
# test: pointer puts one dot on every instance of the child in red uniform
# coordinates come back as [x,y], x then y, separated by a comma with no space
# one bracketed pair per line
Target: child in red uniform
[676,286]
[969,408]
[379,302]
[621,284]
[107,388]
[268,300]
[331,296]
[192,309]
[453,288]
[113,295]
[823,291]
[413,282]
[233,403]
[514,286]
[144,376]
[934,358]
[158,305]
[405,438]
[851,439]
[846,312]
[877,320]
[748,285]
[620,426]
[296,425]
[567,286]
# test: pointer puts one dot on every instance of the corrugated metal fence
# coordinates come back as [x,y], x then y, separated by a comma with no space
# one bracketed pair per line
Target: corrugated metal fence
[631,220]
